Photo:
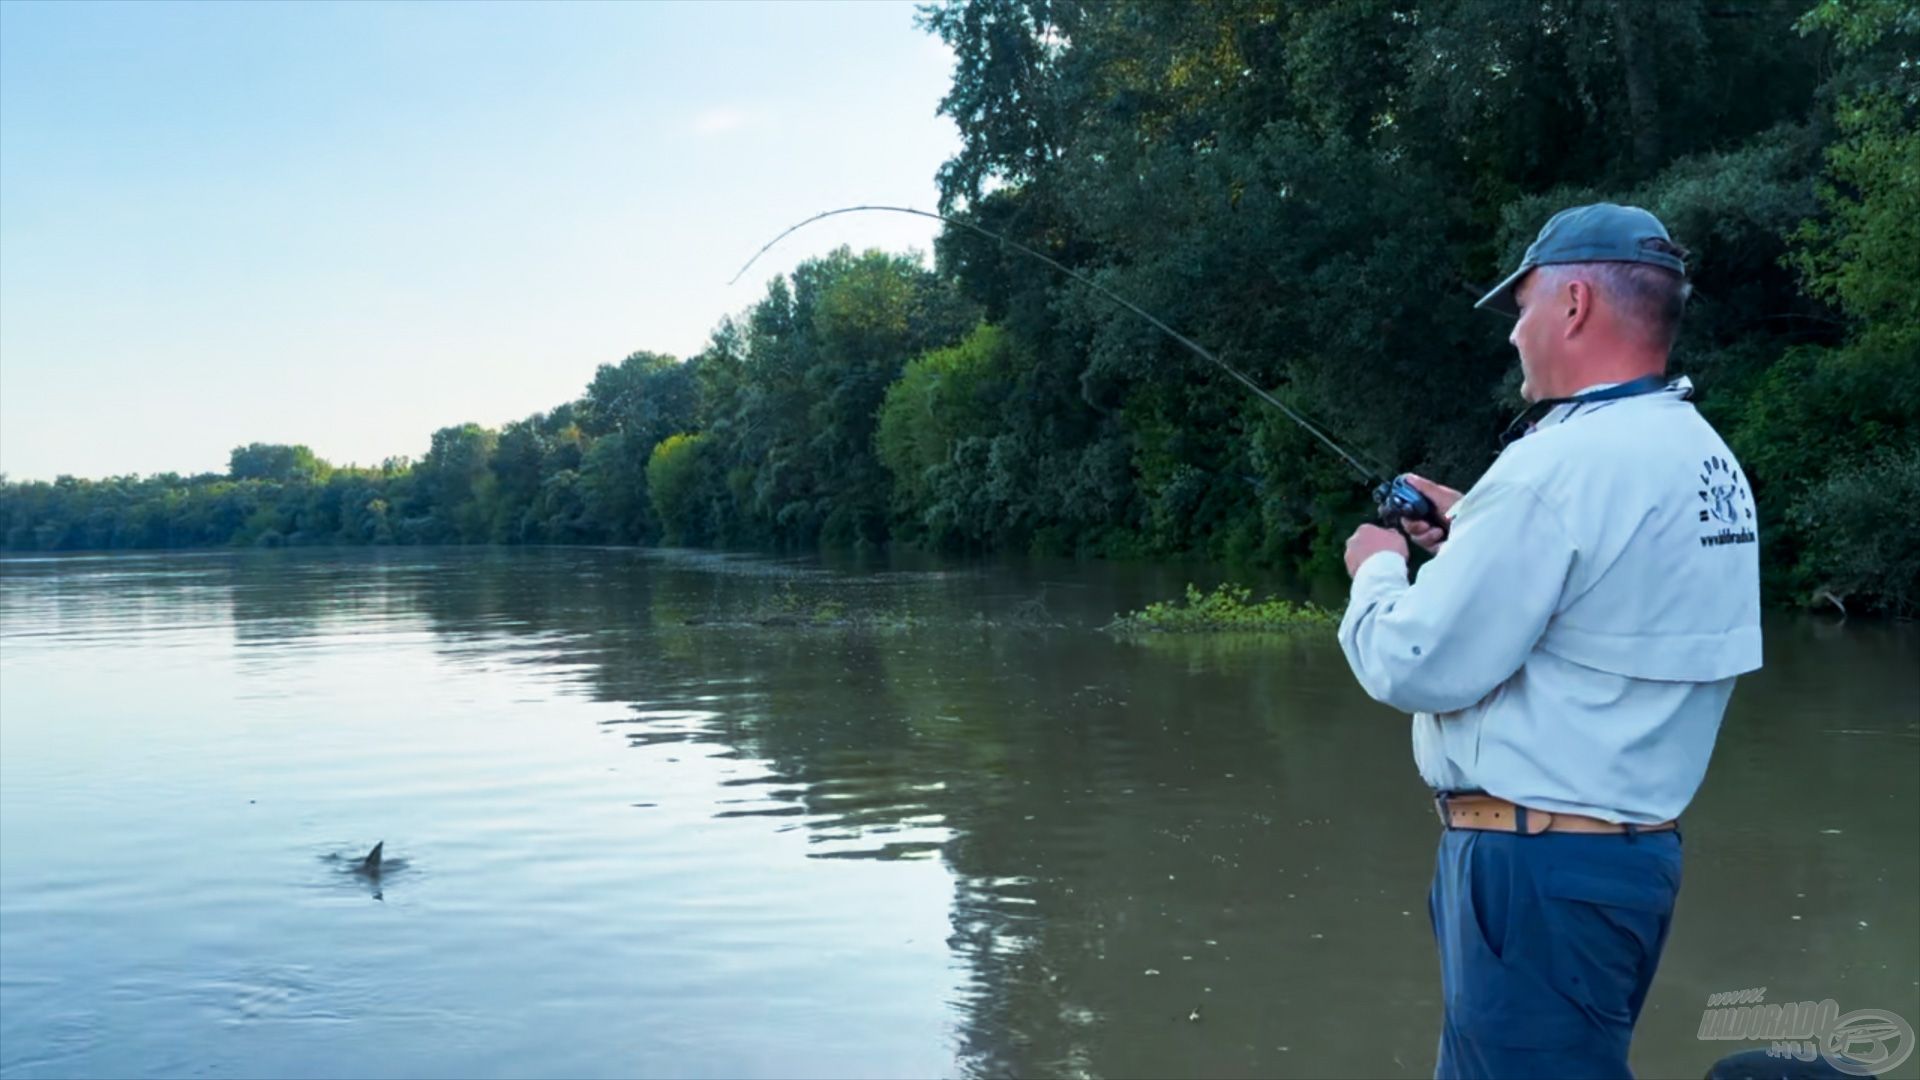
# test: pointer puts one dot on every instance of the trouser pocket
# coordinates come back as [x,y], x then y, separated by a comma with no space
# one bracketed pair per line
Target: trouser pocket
[1547,942]
[1604,938]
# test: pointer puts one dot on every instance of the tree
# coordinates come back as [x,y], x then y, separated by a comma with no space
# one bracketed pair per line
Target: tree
[688,493]
[793,390]
[648,395]
[455,485]
[276,462]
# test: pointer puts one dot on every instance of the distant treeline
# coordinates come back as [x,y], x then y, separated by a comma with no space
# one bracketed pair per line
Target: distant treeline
[1318,191]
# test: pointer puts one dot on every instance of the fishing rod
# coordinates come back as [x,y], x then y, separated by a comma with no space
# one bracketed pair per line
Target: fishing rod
[1397,498]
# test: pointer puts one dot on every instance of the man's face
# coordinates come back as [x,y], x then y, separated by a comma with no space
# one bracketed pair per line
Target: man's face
[1536,335]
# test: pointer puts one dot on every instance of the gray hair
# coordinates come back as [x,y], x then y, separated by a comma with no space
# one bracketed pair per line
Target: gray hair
[1652,296]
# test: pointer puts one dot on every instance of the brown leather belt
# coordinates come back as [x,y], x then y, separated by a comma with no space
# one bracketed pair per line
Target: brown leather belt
[1463,811]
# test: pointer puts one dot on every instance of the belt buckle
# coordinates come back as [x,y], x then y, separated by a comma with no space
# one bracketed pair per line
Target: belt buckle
[1440,808]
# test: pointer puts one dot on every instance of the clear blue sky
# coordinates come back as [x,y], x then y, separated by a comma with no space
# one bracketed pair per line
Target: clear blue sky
[349,224]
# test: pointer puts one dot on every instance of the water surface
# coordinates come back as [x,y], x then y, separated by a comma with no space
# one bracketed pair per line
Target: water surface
[928,822]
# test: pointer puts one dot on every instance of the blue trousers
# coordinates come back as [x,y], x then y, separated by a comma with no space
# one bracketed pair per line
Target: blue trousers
[1547,946]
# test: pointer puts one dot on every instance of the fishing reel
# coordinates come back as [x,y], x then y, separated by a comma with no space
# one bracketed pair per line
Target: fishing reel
[1400,501]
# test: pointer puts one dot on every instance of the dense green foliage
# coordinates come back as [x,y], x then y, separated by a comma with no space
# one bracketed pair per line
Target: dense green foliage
[1317,191]
[1228,608]
[688,491]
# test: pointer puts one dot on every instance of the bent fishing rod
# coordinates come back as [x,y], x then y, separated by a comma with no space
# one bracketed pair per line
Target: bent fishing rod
[1397,498]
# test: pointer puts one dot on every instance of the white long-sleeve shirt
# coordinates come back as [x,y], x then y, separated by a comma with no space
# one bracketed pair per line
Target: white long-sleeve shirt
[1573,646]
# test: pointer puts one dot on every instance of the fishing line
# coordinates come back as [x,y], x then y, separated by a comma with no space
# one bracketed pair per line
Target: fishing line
[1373,474]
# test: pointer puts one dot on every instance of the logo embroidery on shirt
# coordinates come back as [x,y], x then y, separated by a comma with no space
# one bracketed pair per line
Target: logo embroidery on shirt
[1725,501]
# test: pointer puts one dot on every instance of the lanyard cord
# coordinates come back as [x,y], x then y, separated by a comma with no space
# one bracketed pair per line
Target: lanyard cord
[1523,424]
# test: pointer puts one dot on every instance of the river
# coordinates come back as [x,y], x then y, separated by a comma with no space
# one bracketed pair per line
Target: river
[691,814]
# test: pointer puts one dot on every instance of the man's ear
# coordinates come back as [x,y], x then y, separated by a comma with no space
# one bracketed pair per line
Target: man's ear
[1579,300]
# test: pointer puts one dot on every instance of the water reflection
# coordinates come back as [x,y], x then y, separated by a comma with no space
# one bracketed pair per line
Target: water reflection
[1172,858]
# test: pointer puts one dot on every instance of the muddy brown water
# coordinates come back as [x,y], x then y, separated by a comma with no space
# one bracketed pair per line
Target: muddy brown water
[930,821]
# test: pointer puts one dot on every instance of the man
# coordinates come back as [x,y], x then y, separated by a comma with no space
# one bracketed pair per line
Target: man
[1567,655]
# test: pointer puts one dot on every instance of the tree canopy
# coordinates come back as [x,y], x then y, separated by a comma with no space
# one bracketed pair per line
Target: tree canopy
[1318,192]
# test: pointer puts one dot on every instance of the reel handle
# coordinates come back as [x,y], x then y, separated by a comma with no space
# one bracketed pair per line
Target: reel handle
[1400,501]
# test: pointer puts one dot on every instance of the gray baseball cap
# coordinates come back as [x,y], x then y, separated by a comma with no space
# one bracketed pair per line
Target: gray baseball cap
[1603,232]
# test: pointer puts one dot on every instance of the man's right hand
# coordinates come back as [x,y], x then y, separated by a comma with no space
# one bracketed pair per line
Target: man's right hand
[1443,498]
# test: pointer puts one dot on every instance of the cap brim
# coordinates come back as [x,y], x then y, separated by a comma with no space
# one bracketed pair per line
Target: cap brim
[1500,297]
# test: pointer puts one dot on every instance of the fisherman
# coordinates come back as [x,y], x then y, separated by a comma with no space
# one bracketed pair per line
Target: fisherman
[1567,656]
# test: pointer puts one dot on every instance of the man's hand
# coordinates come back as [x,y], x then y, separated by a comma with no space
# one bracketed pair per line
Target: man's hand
[1442,498]
[1368,540]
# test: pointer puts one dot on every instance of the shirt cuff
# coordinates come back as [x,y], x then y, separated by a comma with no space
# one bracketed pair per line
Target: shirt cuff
[1379,568]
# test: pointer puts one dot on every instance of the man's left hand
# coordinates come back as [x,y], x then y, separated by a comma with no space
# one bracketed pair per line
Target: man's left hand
[1369,540]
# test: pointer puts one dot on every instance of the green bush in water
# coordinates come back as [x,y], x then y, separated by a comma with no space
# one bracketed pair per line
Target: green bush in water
[1228,608]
